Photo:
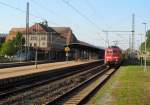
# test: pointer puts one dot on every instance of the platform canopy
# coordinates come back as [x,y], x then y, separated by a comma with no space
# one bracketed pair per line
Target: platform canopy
[84,45]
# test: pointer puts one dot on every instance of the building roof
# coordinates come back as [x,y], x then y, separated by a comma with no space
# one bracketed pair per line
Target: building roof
[85,45]
[17,30]
[40,28]
[66,32]
[13,32]
[88,44]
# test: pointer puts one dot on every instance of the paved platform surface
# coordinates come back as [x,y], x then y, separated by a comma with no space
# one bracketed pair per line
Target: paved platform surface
[20,62]
[25,70]
[130,85]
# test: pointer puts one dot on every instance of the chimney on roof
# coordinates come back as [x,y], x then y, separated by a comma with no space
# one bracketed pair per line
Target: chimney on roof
[45,23]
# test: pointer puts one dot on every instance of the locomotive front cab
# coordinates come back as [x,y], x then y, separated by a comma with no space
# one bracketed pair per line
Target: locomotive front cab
[112,56]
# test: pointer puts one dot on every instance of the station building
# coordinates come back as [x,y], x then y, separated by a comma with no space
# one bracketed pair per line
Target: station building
[51,41]
[13,32]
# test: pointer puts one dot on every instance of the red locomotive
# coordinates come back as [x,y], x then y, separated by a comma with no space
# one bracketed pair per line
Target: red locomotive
[113,55]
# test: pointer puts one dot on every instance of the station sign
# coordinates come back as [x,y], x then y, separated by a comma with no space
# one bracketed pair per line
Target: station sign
[67,49]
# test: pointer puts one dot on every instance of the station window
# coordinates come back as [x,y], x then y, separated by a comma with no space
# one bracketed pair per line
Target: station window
[34,44]
[33,38]
[43,38]
[43,43]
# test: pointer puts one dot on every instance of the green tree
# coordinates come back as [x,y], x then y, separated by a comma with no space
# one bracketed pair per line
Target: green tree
[19,40]
[8,49]
[147,42]
[2,40]
[11,47]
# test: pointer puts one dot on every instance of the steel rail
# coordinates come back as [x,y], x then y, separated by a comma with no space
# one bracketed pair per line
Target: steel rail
[23,88]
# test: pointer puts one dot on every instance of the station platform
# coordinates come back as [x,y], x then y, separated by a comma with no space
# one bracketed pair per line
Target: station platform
[24,63]
[26,70]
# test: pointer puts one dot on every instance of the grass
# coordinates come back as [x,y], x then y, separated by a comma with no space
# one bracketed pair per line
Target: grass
[129,86]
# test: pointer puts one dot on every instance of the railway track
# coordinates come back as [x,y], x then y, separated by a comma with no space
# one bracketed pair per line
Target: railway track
[81,93]
[47,89]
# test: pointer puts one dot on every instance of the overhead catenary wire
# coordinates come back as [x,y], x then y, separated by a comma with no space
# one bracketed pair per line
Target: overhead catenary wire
[89,4]
[49,10]
[10,6]
[35,16]
[84,16]
[94,11]
[23,11]
[44,7]
[92,8]
[81,14]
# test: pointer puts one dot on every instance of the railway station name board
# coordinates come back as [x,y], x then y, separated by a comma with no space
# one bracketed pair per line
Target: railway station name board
[67,49]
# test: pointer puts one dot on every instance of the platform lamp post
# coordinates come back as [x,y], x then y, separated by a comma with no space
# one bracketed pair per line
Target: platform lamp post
[36,58]
[36,52]
[21,50]
[145,48]
[36,48]
[67,50]
[141,55]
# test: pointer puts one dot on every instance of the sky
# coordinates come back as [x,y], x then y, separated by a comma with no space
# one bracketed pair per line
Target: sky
[87,18]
